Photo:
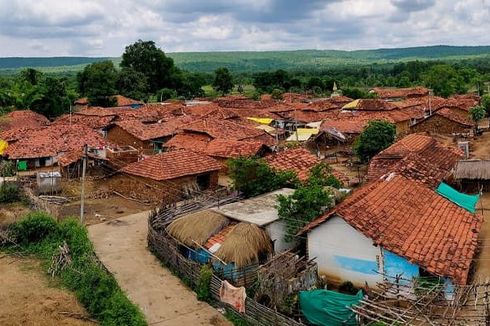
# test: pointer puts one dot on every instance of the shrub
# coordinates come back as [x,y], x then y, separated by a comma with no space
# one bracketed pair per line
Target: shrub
[203,288]
[33,228]
[9,193]
[7,169]
[377,136]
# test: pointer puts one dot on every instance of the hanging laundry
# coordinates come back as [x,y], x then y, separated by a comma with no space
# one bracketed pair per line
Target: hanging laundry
[233,296]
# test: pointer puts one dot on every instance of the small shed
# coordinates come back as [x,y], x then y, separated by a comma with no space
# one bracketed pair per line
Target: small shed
[48,182]
[261,211]
[472,176]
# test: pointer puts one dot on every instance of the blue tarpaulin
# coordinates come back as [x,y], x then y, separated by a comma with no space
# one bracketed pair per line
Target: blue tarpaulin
[465,201]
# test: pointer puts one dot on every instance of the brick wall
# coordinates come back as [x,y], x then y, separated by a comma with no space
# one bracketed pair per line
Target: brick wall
[156,191]
[439,125]
[121,137]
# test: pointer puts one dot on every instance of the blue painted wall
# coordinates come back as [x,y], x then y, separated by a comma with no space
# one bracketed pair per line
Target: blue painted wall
[396,265]
[357,265]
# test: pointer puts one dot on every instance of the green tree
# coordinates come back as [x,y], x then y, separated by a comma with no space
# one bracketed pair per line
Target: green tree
[253,176]
[303,206]
[146,58]
[191,85]
[133,84]
[443,79]
[97,81]
[315,83]
[223,81]
[485,102]
[477,114]
[165,94]
[377,136]
[54,99]
[321,174]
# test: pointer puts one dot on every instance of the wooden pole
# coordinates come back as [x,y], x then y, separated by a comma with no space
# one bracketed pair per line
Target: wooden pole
[82,196]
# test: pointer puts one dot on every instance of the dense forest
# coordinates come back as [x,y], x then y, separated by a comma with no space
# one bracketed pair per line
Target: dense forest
[144,72]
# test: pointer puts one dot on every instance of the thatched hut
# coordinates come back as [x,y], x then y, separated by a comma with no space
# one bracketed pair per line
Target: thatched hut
[234,249]
[245,244]
[472,175]
[195,229]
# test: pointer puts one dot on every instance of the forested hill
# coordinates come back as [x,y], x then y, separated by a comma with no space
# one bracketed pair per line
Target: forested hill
[248,61]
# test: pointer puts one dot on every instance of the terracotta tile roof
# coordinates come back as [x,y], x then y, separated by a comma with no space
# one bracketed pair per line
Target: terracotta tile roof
[345,126]
[94,122]
[171,165]
[298,160]
[224,148]
[418,157]
[463,102]
[22,119]
[53,140]
[189,141]
[70,157]
[294,97]
[387,93]
[125,101]
[224,129]
[374,105]
[219,237]
[414,222]
[211,110]
[145,132]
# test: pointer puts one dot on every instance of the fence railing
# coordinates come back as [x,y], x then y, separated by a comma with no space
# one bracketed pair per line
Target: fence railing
[166,249]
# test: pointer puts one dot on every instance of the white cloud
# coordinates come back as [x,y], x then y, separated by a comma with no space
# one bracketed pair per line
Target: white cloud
[105,27]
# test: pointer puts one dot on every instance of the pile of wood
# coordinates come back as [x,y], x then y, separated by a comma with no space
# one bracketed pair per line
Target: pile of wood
[60,260]
[56,200]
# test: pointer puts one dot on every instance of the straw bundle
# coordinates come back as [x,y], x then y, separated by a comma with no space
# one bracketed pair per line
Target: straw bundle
[244,244]
[197,227]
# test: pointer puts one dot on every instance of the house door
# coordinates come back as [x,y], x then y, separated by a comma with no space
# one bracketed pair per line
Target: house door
[203,181]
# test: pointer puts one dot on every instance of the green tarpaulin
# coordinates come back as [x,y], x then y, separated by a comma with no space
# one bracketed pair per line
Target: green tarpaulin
[465,201]
[22,165]
[328,308]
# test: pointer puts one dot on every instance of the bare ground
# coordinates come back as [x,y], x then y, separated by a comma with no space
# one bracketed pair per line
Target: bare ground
[28,298]
[100,210]
[483,259]
[10,213]
[480,146]
[121,246]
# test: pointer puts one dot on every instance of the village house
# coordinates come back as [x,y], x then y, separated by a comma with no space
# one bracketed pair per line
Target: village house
[234,248]
[261,211]
[418,157]
[394,227]
[472,176]
[167,177]
[445,122]
[45,147]
[148,138]
[22,119]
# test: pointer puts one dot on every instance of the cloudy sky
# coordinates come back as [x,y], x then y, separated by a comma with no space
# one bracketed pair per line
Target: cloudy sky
[104,27]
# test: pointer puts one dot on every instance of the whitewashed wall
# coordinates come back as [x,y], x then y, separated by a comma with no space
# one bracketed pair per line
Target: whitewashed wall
[344,254]
[276,231]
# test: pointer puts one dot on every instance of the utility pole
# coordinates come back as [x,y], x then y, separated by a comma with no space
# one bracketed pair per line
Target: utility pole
[82,198]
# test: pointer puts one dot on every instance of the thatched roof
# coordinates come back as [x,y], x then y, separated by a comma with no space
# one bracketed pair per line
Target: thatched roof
[244,244]
[472,169]
[197,227]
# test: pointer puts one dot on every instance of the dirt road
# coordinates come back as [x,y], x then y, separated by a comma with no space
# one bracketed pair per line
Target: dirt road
[121,246]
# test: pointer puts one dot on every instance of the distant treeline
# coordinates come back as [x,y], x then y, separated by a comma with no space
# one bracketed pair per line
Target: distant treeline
[249,61]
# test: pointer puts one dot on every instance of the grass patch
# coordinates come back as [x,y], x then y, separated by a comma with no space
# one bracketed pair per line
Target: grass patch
[38,234]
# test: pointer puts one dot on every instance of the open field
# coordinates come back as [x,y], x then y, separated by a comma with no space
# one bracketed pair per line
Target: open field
[29,298]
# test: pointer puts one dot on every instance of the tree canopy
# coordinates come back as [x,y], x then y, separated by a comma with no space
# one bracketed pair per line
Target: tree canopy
[253,176]
[145,57]
[97,82]
[377,136]
[223,81]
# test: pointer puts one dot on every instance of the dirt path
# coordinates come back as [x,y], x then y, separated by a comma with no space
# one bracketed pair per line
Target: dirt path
[28,298]
[121,246]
